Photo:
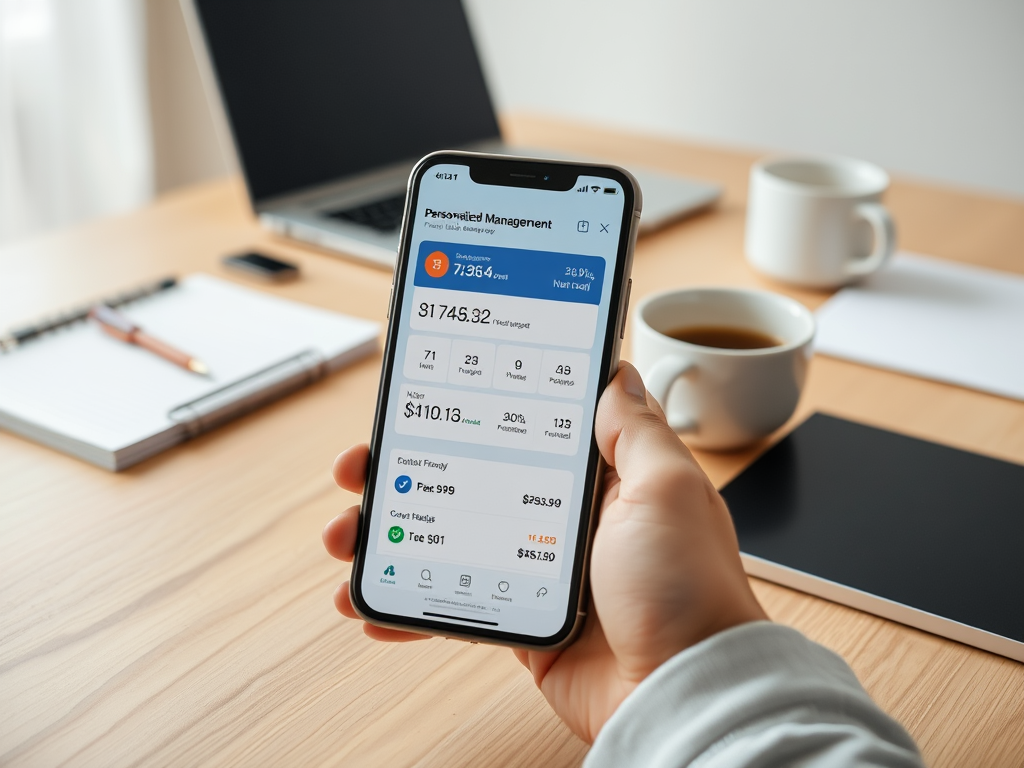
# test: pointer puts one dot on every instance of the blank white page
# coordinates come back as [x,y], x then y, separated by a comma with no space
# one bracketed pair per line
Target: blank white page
[935,319]
[82,383]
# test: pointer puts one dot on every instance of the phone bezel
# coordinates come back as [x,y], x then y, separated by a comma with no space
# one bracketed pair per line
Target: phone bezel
[520,172]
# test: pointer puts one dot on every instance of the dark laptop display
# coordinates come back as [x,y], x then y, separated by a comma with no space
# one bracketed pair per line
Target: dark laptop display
[330,103]
[402,79]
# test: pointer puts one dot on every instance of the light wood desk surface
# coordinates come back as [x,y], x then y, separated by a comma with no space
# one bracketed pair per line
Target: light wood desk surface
[180,612]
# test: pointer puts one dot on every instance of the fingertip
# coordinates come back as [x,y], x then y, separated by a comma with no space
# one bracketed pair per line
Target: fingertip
[655,406]
[337,468]
[349,469]
[625,391]
[339,535]
[326,534]
[631,381]
[343,601]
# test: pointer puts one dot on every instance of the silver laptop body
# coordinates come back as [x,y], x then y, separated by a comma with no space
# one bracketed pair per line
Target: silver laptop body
[326,107]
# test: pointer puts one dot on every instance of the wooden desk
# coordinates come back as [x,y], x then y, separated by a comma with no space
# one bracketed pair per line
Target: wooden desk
[180,613]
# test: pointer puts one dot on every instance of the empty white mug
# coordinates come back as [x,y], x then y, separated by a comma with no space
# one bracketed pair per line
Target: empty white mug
[818,222]
[723,398]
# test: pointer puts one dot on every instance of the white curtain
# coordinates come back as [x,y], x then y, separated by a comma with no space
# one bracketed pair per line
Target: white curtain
[75,137]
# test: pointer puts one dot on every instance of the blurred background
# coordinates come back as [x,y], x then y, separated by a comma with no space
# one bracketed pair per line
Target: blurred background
[101,105]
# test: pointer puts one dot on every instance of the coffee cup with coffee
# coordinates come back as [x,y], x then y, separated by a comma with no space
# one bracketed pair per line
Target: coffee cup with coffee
[727,365]
[818,221]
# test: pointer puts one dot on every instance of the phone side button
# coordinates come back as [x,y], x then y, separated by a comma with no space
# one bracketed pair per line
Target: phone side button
[625,309]
[391,295]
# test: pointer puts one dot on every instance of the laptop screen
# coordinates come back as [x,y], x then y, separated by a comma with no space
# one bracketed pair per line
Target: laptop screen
[317,90]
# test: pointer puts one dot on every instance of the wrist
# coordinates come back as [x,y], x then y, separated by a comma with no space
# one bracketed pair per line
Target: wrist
[719,611]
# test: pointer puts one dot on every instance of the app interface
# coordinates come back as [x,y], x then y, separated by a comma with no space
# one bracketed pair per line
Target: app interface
[490,411]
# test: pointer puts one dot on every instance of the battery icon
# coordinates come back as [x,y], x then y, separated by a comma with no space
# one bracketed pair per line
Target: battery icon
[611,191]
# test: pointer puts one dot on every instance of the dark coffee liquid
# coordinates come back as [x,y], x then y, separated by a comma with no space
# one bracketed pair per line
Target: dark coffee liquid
[723,337]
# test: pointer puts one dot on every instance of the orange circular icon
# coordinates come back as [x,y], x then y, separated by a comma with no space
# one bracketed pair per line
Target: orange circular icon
[436,264]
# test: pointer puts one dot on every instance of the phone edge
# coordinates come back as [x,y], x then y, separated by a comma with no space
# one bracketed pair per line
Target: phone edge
[621,312]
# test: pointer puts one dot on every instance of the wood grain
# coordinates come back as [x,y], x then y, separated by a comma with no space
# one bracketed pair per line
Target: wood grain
[180,612]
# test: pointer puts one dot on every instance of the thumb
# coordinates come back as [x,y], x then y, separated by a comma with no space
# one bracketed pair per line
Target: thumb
[633,436]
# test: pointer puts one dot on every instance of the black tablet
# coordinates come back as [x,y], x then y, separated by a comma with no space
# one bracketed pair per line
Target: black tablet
[920,533]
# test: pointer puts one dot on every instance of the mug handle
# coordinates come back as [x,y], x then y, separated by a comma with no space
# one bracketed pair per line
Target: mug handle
[660,380]
[877,215]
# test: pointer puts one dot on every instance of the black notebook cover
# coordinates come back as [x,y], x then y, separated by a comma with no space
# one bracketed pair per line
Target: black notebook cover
[910,530]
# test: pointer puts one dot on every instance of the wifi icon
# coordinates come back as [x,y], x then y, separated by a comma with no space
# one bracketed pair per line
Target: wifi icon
[595,189]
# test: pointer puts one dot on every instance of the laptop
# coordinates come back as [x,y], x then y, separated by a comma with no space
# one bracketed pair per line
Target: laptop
[328,105]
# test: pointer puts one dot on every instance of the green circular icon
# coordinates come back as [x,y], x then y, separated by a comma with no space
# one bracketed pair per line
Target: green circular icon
[396,534]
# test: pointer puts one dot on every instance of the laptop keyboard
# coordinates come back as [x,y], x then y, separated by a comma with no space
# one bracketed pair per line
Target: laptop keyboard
[383,215]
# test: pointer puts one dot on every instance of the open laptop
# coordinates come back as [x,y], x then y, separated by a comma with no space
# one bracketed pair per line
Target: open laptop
[330,104]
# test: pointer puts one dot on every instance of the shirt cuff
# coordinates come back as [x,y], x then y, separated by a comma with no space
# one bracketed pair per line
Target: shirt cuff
[759,693]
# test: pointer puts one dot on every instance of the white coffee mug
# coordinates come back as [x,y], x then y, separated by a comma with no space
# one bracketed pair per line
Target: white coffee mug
[818,222]
[723,398]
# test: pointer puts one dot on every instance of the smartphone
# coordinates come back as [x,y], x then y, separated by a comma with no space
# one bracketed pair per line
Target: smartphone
[262,266]
[506,317]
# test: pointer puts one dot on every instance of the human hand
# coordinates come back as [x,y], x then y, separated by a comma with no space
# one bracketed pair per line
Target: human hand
[665,571]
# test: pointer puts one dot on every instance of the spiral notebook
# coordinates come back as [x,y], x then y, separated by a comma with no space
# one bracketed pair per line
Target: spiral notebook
[114,404]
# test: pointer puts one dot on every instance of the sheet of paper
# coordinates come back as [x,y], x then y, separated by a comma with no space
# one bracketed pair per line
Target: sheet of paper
[932,318]
[82,383]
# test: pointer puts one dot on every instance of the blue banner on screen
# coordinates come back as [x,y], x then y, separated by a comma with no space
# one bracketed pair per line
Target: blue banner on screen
[511,272]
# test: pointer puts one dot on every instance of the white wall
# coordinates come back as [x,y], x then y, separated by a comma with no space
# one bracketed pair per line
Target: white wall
[75,139]
[184,137]
[926,88]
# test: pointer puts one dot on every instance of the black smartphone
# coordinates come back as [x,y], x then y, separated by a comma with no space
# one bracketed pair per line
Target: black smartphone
[262,266]
[506,317]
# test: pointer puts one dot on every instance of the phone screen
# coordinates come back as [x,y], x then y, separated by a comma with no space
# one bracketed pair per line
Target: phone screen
[482,479]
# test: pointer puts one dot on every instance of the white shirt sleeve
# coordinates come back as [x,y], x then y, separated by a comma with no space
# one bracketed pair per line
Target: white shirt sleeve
[759,694]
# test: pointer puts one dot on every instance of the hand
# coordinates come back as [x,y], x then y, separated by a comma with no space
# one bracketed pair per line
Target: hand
[665,571]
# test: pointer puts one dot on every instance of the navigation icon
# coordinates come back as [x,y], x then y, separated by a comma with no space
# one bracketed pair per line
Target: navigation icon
[503,586]
[583,226]
[542,591]
[465,580]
